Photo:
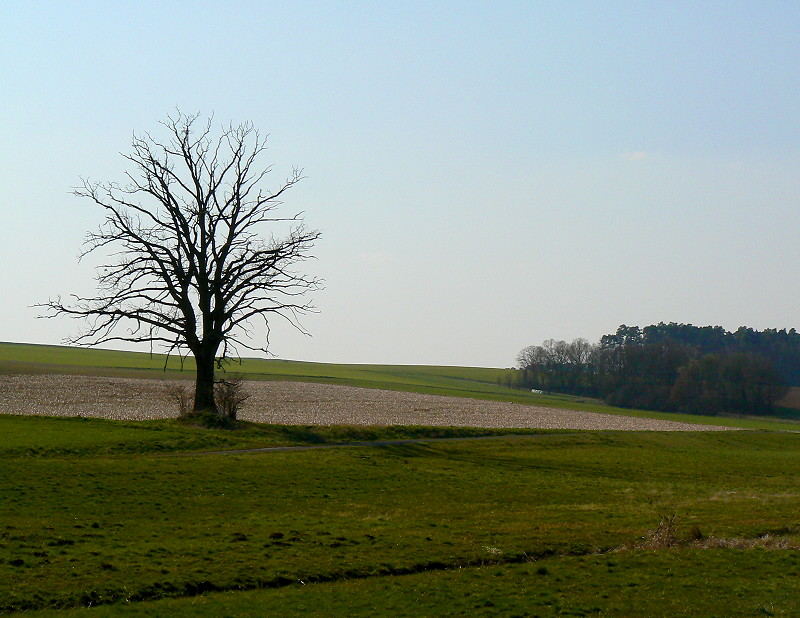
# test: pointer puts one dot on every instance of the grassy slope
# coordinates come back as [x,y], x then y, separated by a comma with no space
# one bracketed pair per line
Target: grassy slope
[95,529]
[475,382]
[37,436]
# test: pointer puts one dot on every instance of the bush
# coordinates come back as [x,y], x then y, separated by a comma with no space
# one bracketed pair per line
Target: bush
[181,395]
[229,395]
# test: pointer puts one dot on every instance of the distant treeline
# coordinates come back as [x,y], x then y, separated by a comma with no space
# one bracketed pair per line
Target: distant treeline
[680,367]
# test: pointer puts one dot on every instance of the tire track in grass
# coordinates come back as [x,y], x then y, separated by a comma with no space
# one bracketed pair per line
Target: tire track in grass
[191,588]
[366,443]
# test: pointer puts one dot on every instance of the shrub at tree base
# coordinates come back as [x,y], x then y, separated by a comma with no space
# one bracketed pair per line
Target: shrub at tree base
[229,396]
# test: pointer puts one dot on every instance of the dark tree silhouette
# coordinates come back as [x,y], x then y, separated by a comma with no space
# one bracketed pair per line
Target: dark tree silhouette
[702,369]
[191,269]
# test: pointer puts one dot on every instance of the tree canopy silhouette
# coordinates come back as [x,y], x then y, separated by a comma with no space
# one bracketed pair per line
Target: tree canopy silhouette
[191,268]
[701,369]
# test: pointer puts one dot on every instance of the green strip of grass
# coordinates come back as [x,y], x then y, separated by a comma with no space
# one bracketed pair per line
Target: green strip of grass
[666,583]
[472,382]
[43,436]
[96,529]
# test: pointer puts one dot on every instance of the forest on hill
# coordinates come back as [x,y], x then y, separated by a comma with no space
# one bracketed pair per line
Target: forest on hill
[671,367]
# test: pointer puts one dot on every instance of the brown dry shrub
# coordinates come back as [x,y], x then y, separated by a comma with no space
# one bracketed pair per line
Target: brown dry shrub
[229,395]
[665,534]
[182,396]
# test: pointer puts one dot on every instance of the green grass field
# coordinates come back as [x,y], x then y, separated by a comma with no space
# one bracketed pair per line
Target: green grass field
[547,524]
[35,436]
[684,583]
[105,517]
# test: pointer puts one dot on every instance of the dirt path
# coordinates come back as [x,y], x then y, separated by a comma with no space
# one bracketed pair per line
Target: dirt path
[298,403]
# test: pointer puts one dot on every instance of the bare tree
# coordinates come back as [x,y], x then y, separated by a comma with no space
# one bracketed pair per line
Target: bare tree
[190,269]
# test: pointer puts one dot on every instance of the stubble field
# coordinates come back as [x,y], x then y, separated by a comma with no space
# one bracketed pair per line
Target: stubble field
[301,403]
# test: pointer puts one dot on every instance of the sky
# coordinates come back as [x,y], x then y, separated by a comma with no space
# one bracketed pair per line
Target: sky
[485,175]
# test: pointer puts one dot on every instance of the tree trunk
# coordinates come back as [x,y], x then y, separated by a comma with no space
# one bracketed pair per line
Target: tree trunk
[204,384]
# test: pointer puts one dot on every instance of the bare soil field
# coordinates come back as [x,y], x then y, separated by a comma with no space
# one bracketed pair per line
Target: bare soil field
[300,403]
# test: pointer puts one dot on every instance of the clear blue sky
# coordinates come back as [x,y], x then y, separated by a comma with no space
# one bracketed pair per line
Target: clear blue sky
[486,174]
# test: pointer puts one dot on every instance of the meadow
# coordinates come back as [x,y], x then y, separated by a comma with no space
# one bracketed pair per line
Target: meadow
[543,524]
[103,517]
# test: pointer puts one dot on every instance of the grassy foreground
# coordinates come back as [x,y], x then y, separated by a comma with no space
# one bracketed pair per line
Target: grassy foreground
[671,583]
[558,523]
[473,382]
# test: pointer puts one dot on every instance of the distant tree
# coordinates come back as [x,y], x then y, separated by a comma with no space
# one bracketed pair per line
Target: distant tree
[192,269]
[634,373]
[557,366]
[728,383]
[703,369]
[625,335]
